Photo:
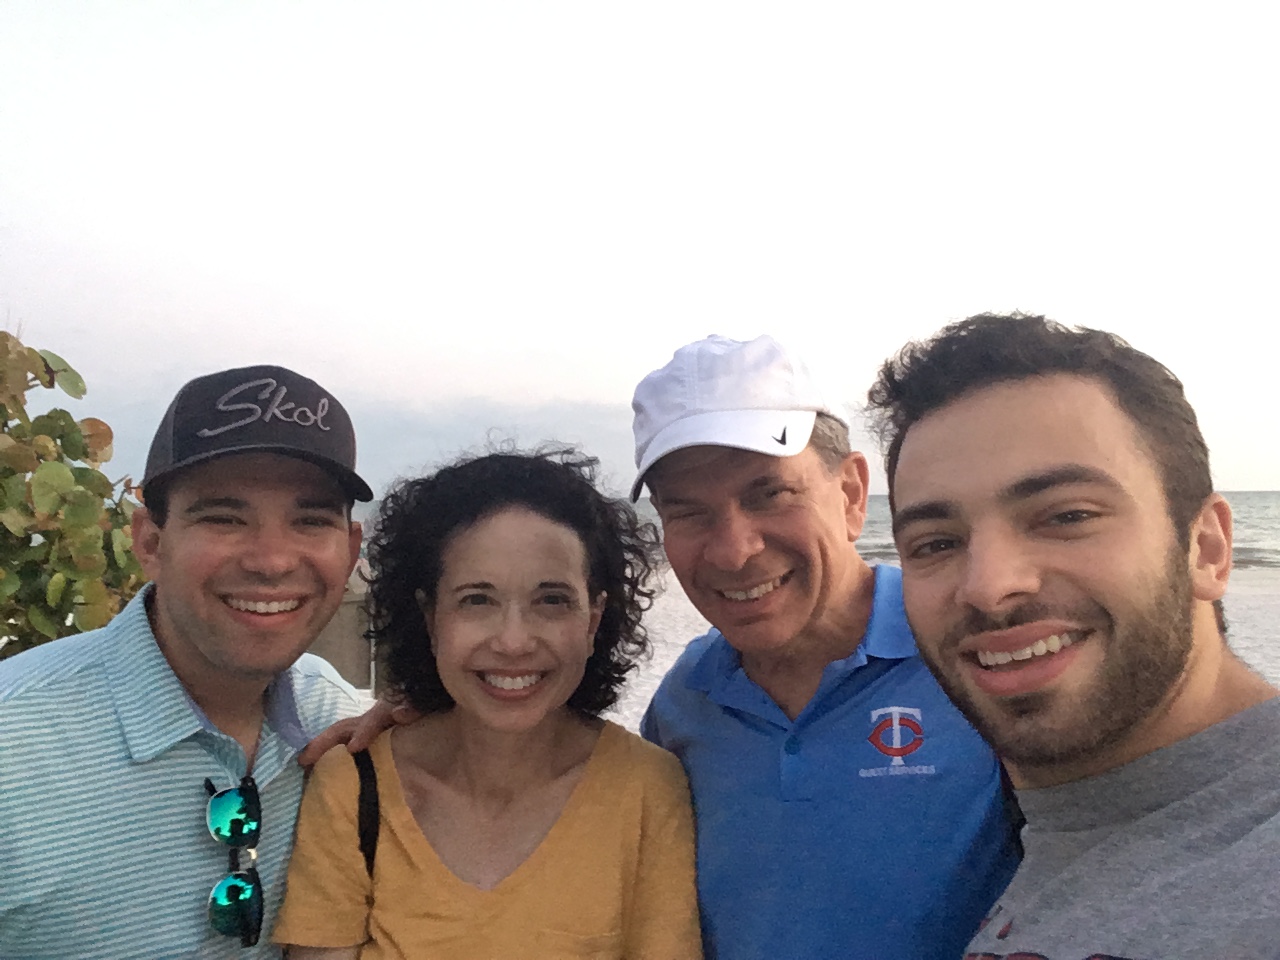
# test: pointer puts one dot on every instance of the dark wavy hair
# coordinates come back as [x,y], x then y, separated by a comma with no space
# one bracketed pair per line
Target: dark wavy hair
[418,517]
[995,348]
[988,348]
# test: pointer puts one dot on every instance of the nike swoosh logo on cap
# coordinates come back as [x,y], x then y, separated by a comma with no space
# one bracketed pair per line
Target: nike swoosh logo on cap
[782,439]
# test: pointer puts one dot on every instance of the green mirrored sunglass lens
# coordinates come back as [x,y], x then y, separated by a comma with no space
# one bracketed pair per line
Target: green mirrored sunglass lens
[235,818]
[236,901]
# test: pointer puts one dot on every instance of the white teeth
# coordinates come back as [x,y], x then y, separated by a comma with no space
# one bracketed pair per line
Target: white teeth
[511,683]
[754,593]
[273,606]
[992,658]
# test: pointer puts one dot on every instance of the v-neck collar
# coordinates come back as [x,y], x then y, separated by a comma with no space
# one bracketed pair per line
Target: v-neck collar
[428,861]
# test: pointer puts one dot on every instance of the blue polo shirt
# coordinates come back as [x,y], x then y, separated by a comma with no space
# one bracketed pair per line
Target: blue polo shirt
[104,852]
[871,827]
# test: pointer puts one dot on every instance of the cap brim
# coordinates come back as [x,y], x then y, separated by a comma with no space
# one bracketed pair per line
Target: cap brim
[778,433]
[350,482]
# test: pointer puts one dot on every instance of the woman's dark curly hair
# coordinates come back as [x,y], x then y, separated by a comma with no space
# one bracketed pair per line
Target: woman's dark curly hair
[418,517]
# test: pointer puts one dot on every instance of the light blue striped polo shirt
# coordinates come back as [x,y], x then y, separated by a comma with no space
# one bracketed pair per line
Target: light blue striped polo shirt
[104,852]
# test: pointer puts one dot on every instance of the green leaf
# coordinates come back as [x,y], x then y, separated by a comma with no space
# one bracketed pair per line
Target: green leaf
[53,592]
[15,490]
[33,555]
[88,558]
[42,620]
[91,616]
[92,591]
[54,424]
[122,547]
[15,521]
[72,383]
[49,483]
[64,563]
[73,444]
[10,585]
[95,481]
[81,508]
[20,458]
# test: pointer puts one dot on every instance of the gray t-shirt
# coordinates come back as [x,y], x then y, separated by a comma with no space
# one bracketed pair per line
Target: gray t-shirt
[1174,856]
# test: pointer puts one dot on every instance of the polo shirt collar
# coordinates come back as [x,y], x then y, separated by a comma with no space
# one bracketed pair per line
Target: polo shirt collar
[719,673]
[282,712]
[154,709]
[888,635]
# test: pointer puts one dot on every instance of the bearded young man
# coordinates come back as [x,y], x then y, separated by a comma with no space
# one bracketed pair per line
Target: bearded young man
[1064,560]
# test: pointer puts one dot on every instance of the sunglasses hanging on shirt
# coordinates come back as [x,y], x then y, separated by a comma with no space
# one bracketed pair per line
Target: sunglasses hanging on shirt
[234,818]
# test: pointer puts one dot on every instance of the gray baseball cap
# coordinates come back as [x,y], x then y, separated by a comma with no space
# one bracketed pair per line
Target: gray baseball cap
[264,409]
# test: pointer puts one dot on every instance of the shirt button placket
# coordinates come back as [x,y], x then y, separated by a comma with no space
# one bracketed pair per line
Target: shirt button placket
[791,769]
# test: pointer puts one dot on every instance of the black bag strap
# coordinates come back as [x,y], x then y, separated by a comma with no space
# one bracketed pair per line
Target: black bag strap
[367,811]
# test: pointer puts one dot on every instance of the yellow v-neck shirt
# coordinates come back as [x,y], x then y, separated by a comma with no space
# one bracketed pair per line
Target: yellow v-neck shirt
[613,879]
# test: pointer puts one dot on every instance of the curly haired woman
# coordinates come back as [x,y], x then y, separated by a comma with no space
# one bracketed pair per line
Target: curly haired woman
[507,593]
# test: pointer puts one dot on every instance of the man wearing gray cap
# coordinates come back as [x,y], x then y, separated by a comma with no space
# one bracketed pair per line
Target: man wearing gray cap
[148,783]
[844,807]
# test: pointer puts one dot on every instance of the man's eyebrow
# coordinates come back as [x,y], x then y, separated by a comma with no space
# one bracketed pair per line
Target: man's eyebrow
[331,504]
[1023,489]
[760,482]
[764,480]
[1063,476]
[669,499]
[475,585]
[201,504]
[555,585]
[929,510]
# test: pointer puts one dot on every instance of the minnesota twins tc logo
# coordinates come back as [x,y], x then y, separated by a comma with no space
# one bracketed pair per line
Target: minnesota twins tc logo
[897,719]
[897,732]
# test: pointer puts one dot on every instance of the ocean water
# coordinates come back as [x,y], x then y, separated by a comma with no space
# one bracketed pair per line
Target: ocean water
[1253,599]
[1257,530]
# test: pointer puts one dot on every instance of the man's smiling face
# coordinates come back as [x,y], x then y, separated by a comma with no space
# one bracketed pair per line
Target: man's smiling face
[762,545]
[1041,571]
[250,564]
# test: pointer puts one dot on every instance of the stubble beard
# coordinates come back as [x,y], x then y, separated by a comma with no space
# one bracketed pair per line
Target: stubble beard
[1144,659]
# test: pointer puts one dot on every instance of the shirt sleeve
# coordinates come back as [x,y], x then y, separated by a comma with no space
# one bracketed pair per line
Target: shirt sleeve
[328,891]
[664,914]
[649,725]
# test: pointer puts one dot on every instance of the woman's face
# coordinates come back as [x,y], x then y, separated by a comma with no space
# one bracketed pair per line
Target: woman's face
[513,624]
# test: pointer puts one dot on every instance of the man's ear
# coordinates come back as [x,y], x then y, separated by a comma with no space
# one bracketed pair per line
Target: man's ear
[1209,556]
[146,541]
[854,479]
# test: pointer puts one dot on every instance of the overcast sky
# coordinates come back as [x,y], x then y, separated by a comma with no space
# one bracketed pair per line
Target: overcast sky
[480,220]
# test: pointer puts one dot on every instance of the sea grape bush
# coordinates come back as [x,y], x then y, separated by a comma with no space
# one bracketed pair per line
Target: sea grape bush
[65,559]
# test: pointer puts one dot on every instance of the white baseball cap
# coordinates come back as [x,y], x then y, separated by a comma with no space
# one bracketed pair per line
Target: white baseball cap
[753,395]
